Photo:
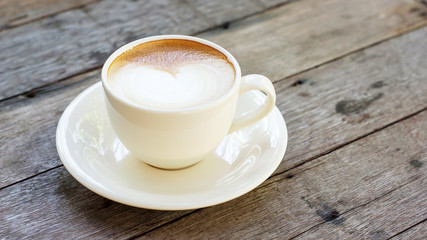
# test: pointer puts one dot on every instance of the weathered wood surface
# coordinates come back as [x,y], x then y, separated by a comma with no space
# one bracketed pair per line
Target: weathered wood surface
[355,164]
[352,193]
[125,21]
[324,108]
[334,190]
[61,46]
[417,232]
[395,211]
[307,33]
[304,34]
[13,13]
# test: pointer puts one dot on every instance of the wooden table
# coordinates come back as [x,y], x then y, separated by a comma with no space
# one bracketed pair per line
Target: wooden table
[351,82]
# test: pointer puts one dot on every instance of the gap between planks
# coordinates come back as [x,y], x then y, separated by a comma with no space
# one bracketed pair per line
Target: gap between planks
[407,229]
[35,175]
[165,224]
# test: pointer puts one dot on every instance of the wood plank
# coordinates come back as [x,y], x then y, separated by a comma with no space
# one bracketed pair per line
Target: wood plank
[55,206]
[303,34]
[364,183]
[416,232]
[14,13]
[224,11]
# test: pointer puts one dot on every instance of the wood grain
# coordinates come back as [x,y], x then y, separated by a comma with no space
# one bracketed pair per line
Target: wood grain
[13,13]
[366,188]
[369,188]
[303,34]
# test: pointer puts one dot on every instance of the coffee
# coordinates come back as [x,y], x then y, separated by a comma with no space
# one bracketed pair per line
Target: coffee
[171,74]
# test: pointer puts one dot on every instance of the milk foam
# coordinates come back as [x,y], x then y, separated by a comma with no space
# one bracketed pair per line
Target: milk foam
[181,83]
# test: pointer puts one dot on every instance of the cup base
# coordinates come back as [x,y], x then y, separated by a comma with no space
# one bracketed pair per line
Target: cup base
[172,169]
[176,164]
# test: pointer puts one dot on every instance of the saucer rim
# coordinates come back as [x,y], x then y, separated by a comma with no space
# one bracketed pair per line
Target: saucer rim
[83,178]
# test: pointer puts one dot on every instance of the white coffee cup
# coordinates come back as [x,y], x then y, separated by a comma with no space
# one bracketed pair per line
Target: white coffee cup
[178,138]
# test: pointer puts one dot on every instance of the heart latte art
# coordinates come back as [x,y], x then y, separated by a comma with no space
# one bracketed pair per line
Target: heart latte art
[171,74]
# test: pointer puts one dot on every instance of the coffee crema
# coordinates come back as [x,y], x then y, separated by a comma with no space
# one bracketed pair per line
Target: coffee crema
[171,74]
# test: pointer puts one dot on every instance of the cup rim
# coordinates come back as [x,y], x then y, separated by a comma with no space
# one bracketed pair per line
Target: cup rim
[118,52]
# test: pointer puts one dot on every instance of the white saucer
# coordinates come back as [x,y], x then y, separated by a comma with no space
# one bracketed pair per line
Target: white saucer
[92,153]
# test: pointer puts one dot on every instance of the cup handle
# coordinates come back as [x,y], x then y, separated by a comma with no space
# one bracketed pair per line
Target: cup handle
[249,83]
